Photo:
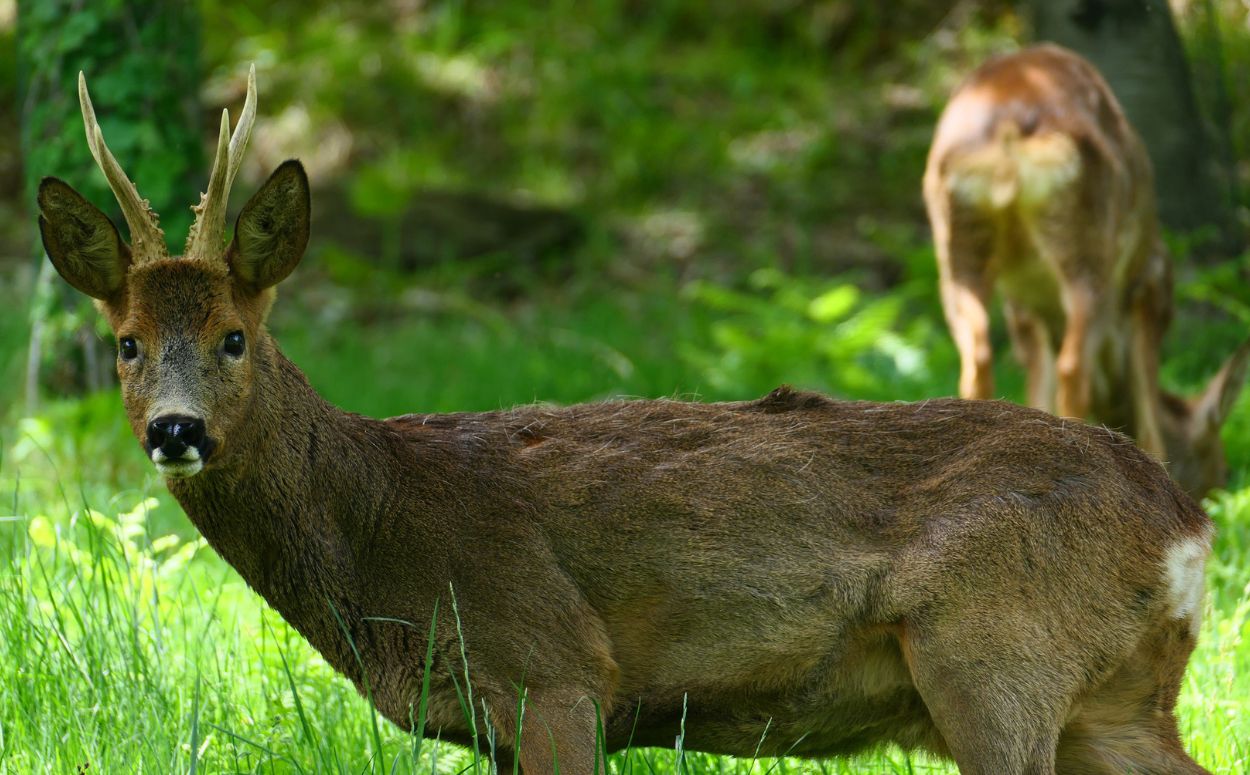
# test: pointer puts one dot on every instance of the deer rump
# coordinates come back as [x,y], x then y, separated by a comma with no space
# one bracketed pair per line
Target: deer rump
[1038,188]
[1029,174]
[793,575]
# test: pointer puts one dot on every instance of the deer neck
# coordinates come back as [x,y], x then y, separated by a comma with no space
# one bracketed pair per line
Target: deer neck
[293,501]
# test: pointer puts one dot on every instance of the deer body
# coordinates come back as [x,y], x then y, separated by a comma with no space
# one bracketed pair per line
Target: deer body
[788,575]
[614,551]
[1038,186]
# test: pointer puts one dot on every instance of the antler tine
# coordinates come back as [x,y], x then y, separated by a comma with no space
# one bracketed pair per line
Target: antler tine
[205,237]
[146,236]
[243,131]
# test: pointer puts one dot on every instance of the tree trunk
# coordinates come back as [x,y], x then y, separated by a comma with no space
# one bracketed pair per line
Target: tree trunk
[141,58]
[1135,45]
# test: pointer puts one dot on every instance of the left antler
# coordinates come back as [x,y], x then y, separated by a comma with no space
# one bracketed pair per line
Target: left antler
[146,237]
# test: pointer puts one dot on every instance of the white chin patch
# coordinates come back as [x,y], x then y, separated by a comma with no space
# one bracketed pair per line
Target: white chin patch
[188,464]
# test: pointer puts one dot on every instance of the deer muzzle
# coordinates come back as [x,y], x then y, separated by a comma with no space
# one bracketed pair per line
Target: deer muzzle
[177,445]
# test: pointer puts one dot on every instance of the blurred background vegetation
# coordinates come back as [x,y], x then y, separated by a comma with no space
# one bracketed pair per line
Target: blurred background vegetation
[554,201]
[692,179]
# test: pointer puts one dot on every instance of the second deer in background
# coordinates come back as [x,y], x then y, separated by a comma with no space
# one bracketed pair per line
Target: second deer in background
[1037,185]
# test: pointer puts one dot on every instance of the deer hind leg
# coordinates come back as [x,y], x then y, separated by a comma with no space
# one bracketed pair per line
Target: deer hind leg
[1031,340]
[1128,724]
[997,713]
[970,325]
[1144,375]
[964,243]
[1081,338]
[1079,248]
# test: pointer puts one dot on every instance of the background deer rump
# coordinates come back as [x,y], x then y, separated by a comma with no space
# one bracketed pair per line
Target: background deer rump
[788,575]
[1037,185]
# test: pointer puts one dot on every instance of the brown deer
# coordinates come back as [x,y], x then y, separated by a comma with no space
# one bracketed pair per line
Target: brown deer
[1037,184]
[790,575]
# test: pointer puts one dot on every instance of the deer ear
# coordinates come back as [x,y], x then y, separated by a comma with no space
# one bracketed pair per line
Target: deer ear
[81,241]
[1216,402]
[272,230]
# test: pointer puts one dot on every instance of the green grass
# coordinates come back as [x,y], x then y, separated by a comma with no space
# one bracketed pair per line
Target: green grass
[127,644]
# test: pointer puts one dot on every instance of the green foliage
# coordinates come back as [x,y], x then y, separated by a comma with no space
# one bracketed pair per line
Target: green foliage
[14,330]
[142,63]
[1214,34]
[721,137]
[821,335]
[1221,287]
[141,60]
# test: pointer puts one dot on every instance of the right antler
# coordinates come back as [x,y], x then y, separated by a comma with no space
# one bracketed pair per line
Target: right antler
[146,236]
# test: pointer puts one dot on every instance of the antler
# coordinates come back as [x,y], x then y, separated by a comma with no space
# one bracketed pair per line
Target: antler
[204,240]
[146,236]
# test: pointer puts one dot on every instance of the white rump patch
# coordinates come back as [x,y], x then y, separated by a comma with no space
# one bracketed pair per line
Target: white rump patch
[1048,164]
[1184,568]
[1010,169]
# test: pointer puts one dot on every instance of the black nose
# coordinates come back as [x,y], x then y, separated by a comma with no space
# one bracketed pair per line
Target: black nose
[172,434]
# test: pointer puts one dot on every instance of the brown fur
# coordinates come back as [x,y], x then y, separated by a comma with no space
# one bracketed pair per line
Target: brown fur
[802,575]
[1036,184]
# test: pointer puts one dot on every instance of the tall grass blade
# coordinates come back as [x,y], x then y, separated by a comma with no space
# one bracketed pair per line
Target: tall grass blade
[195,727]
[423,701]
[468,687]
[305,727]
[364,678]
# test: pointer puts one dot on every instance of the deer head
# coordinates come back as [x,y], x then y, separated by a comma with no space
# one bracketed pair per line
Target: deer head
[189,327]
[1190,427]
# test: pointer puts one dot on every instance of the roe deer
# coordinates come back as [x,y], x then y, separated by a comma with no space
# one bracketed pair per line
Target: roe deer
[1037,183]
[791,575]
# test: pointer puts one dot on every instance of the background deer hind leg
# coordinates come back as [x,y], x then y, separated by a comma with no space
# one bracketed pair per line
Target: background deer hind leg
[1075,364]
[1144,375]
[964,242]
[1030,338]
[1081,252]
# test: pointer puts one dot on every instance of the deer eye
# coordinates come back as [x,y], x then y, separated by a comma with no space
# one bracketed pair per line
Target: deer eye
[128,348]
[233,345]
